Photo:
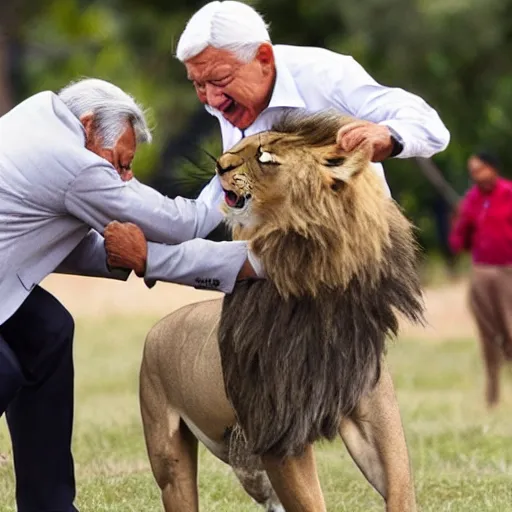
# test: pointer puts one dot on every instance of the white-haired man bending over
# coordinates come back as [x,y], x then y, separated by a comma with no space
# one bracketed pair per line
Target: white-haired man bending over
[65,174]
[247,83]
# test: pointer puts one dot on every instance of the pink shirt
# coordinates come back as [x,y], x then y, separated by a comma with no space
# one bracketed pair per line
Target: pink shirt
[484,225]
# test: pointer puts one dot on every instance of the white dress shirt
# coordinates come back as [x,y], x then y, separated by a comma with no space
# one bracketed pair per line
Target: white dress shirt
[317,79]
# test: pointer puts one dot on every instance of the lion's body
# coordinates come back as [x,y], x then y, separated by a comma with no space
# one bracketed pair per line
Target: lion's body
[197,367]
[297,357]
[182,388]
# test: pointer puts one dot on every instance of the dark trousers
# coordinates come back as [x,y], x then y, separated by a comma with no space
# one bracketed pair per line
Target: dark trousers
[36,392]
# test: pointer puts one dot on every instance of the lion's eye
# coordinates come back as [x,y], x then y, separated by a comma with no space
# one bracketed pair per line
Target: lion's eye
[265,157]
[334,162]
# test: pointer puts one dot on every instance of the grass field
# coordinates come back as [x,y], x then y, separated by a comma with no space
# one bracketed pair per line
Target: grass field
[462,455]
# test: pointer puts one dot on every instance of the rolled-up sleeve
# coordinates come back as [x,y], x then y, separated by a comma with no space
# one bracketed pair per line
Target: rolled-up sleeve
[419,126]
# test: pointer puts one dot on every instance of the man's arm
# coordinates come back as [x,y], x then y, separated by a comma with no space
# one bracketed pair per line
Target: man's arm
[89,258]
[462,227]
[186,264]
[199,263]
[417,125]
[98,196]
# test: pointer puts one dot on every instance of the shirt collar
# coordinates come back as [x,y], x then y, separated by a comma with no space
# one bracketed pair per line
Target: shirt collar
[285,92]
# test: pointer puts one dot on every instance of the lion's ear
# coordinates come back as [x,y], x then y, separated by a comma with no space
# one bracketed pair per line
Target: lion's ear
[339,177]
[338,168]
[341,166]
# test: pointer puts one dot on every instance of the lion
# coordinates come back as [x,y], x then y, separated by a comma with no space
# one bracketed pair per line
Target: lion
[280,363]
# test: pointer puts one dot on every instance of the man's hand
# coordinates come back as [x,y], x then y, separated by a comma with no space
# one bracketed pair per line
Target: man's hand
[126,247]
[357,132]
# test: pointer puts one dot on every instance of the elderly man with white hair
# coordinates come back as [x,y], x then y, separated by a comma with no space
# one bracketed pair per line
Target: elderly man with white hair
[65,174]
[247,83]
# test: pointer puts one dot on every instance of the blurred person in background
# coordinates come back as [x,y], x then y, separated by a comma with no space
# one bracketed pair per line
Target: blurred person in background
[65,167]
[483,226]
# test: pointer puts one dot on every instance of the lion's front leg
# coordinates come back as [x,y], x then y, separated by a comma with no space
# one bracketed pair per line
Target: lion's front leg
[295,481]
[172,448]
[375,439]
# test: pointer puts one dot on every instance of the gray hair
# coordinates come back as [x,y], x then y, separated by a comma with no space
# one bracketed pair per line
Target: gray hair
[110,106]
[228,25]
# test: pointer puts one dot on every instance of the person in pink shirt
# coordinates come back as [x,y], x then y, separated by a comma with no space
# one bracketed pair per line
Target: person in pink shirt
[483,226]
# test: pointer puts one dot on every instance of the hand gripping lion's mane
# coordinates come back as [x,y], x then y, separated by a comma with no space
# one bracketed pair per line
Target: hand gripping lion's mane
[300,348]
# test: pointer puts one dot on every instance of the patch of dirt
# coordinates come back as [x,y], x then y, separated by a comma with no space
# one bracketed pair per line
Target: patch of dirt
[447,312]
[86,296]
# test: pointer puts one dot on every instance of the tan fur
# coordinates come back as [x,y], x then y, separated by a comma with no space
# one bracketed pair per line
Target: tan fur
[324,229]
[299,196]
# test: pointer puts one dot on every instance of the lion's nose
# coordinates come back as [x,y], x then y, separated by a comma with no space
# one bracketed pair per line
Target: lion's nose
[222,170]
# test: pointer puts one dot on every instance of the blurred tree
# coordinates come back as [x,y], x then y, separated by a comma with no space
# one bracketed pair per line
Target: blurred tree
[13,16]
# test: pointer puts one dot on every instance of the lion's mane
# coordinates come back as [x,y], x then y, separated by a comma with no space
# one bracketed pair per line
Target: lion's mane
[300,349]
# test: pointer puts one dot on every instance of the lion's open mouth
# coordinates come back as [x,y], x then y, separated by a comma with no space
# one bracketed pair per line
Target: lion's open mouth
[234,200]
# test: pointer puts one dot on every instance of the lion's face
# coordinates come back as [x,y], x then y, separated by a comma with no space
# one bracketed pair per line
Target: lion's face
[271,174]
[316,216]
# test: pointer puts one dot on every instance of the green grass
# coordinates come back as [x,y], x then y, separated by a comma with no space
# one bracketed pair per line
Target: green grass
[461,454]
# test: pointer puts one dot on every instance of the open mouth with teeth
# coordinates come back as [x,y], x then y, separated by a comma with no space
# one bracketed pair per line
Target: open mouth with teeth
[234,200]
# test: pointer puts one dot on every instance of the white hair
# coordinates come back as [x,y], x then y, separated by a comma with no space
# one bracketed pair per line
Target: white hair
[227,25]
[110,106]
